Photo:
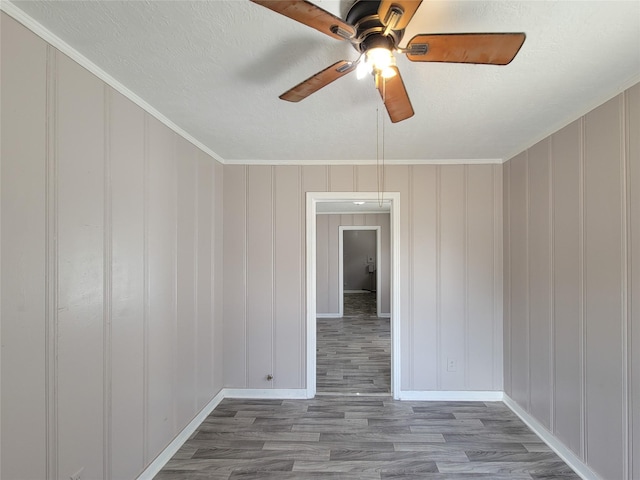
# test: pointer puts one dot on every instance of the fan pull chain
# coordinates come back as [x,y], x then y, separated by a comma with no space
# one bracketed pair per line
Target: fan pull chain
[379,171]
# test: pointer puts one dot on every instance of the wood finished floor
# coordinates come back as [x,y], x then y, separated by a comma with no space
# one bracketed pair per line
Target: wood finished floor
[353,353]
[362,304]
[363,438]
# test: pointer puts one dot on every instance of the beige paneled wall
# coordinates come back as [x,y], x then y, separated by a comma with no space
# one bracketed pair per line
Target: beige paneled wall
[111,324]
[451,271]
[572,275]
[633,329]
[24,256]
[327,282]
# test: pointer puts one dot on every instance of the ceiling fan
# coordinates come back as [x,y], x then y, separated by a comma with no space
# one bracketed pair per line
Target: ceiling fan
[375,29]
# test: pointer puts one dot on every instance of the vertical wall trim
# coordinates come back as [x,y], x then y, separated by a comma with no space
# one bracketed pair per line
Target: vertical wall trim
[245,253]
[107,290]
[196,277]
[625,203]
[507,201]
[631,307]
[302,212]
[1,290]
[213,264]
[552,301]
[527,319]
[51,266]
[301,277]
[465,221]
[583,297]
[495,275]
[411,286]
[310,293]
[174,345]
[438,277]
[274,324]
[146,293]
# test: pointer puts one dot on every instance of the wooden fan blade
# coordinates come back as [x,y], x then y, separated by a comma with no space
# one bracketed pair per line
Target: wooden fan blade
[311,15]
[395,96]
[407,7]
[485,48]
[317,81]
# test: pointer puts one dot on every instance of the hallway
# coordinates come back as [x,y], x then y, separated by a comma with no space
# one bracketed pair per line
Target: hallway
[354,352]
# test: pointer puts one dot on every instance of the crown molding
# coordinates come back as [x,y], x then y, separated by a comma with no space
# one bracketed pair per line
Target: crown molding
[17,14]
[457,161]
[553,128]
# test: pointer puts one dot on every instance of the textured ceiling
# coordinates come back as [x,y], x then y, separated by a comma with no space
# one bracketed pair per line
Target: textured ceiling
[216,68]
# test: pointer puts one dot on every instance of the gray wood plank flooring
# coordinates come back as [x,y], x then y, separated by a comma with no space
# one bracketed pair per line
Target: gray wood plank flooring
[353,353]
[362,304]
[351,437]
[348,436]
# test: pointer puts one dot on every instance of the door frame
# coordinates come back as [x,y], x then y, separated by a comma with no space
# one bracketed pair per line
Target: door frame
[341,230]
[313,198]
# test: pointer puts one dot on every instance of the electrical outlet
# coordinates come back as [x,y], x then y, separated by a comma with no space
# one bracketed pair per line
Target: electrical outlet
[77,475]
[452,365]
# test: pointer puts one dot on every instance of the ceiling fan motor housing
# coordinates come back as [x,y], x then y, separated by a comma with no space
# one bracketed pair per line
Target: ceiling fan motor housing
[363,15]
[375,29]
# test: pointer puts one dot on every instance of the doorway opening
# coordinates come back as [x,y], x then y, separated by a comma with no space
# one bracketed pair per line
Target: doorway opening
[324,201]
[359,257]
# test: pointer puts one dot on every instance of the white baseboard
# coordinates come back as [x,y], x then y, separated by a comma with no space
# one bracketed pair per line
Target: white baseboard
[384,315]
[563,452]
[266,393]
[161,460]
[452,396]
[328,315]
[554,444]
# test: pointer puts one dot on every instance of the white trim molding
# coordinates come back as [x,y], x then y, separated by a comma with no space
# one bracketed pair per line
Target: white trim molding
[452,396]
[43,32]
[558,447]
[369,161]
[161,460]
[266,393]
[581,112]
[567,455]
[36,27]
[313,198]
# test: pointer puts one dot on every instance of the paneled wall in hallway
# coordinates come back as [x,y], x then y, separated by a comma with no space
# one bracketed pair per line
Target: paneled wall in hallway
[572,285]
[451,271]
[327,245]
[111,326]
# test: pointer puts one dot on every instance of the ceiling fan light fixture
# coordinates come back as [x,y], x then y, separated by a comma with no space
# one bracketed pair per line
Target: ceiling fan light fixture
[380,58]
[375,29]
[388,72]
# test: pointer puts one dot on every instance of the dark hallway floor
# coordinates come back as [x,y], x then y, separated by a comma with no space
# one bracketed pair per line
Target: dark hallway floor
[354,352]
